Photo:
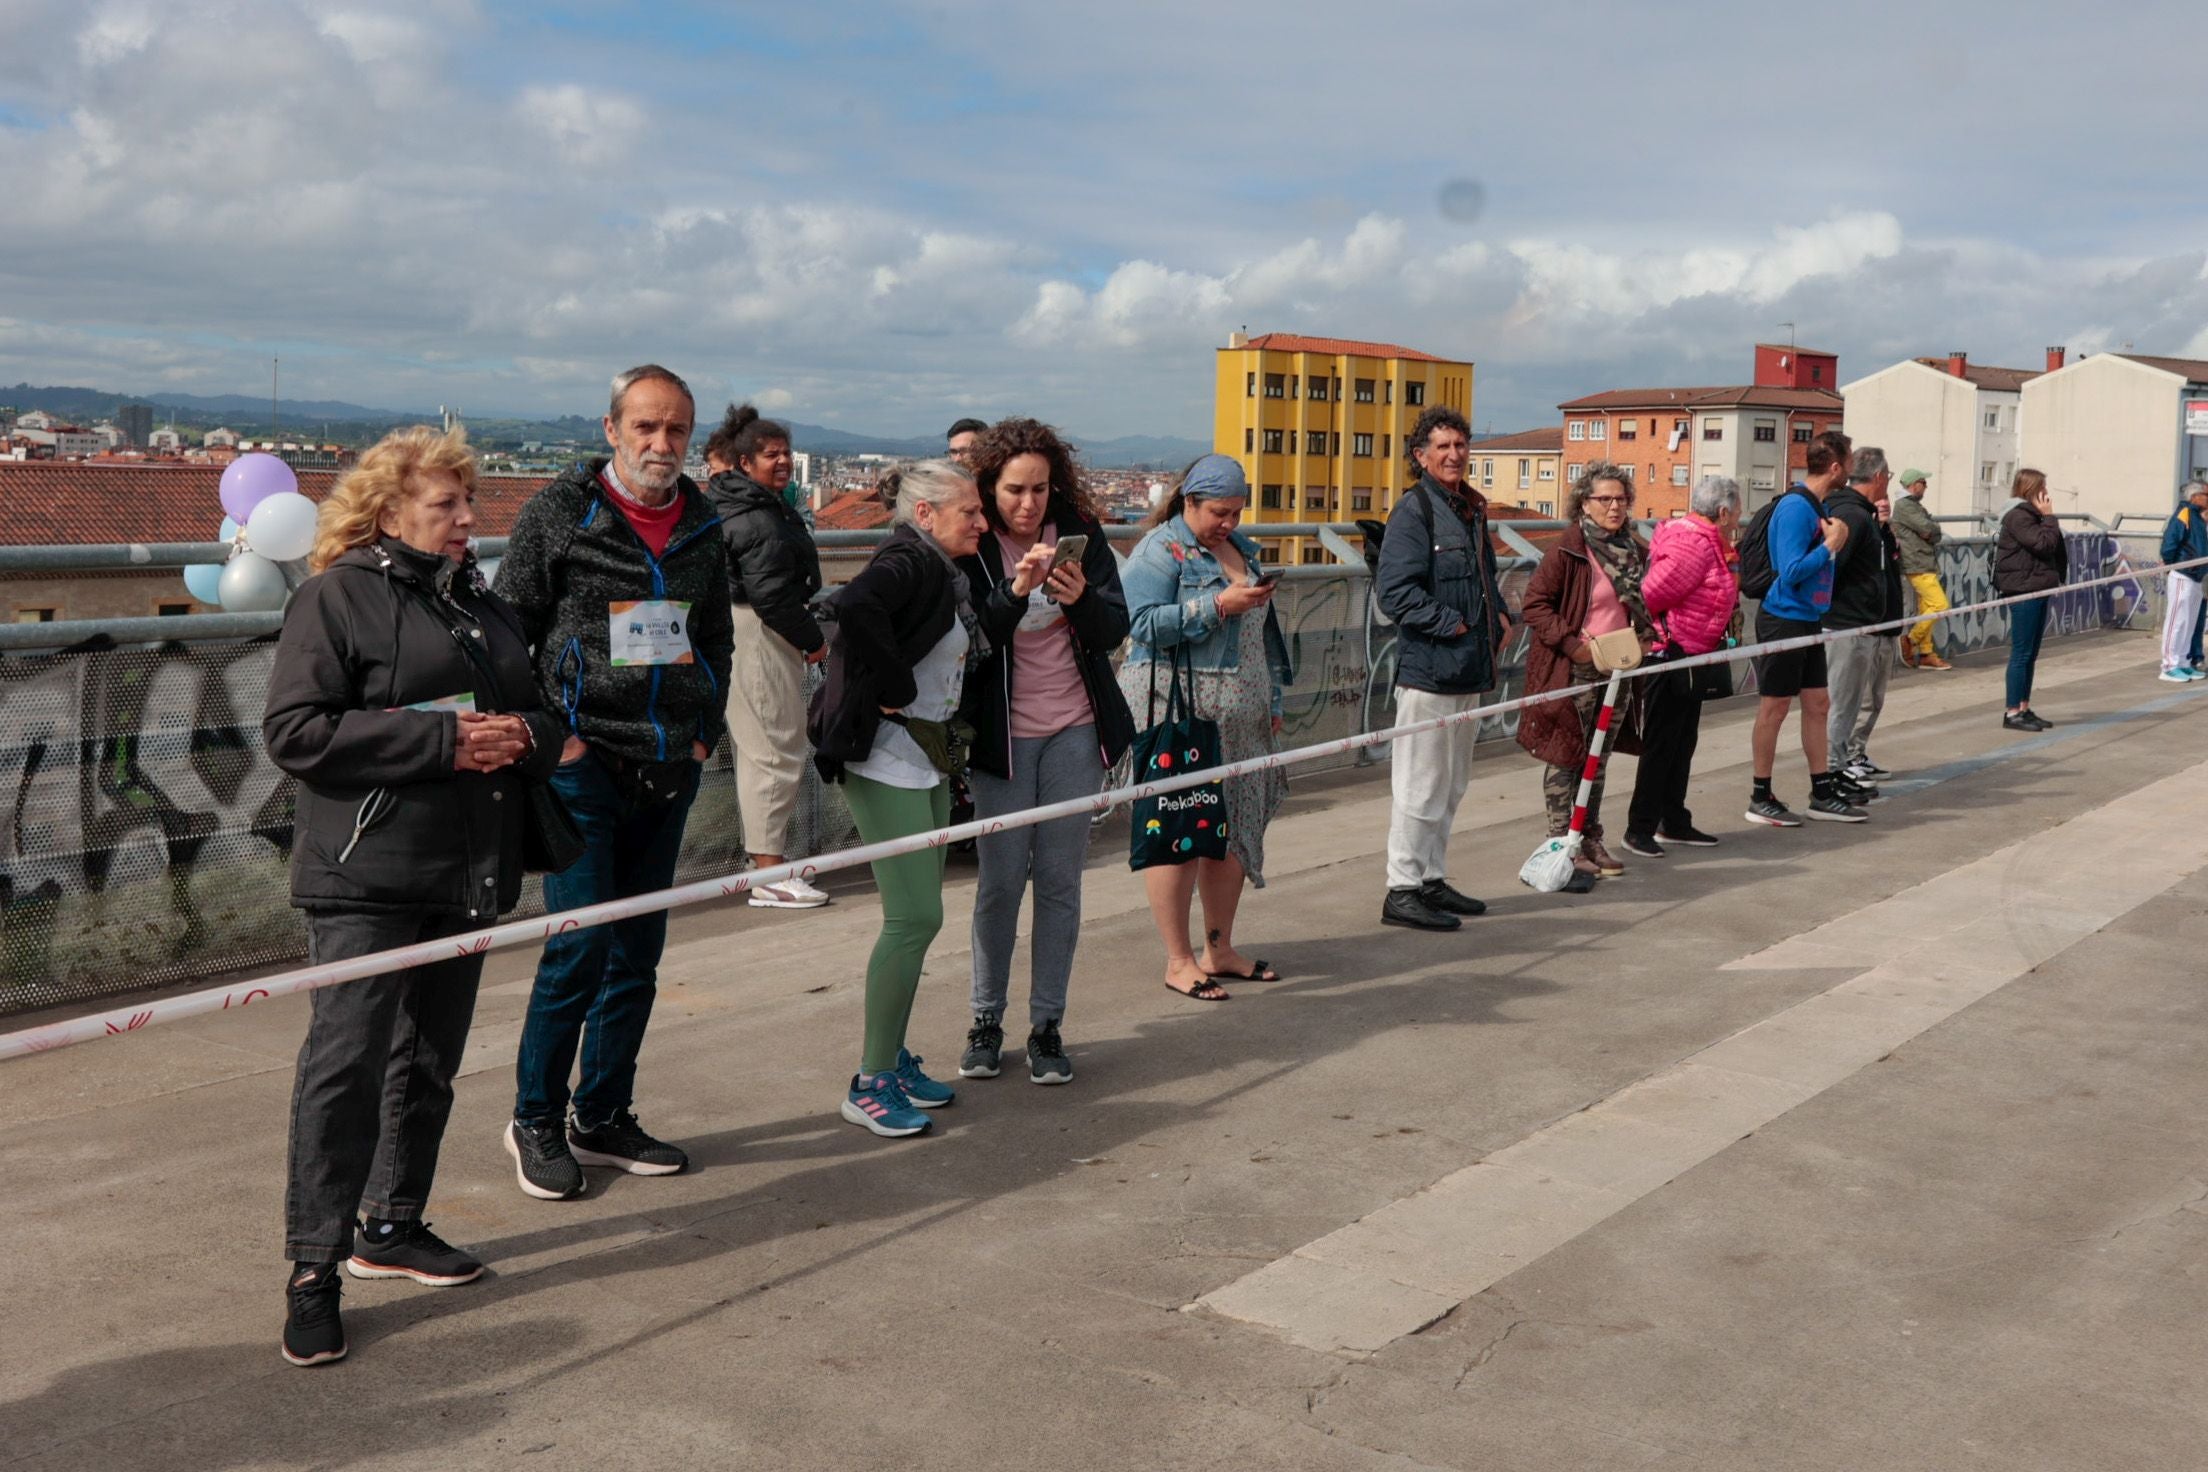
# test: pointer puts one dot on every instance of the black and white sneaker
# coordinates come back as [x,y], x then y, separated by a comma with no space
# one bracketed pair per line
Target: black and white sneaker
[410,1250]
[1046,1056]
[1850,790]
[1686,836]
[543,1164]
[1835,809]
[1771,812]
[314,1332]
[621,1143]
[1644,844]
[984,1053]
[1864,770]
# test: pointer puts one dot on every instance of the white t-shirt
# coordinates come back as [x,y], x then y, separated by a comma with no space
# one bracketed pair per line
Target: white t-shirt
[940,677]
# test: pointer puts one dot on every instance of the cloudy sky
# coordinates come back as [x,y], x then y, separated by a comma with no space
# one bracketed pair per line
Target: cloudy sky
[883,216]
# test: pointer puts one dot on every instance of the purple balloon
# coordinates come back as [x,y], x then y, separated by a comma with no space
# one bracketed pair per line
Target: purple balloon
[251,479]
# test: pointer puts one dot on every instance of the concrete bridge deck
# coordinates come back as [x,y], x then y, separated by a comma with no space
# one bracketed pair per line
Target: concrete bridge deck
[1876,1147]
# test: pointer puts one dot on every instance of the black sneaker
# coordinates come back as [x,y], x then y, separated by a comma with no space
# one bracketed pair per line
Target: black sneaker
[1644,844]
[1686,835]
[984,1047]
[621,1143]
[1046,1056]
[1771,811]
[1863,769]
[410,1250]
[1835,809]
[1440,896]
[543,1164]
[1850,790]
[1409,907]
[314,1333]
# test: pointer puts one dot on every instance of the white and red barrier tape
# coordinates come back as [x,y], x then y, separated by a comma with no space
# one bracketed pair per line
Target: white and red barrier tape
[52,1035]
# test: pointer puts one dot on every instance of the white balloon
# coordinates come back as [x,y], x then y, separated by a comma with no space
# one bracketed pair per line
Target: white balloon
[281,528]
[252,584]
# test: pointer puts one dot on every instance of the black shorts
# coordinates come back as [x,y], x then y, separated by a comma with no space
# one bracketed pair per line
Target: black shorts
[1790,671]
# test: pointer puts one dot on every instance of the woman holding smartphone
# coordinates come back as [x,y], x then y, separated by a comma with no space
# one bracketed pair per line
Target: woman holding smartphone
[1049,721]
[2029,557]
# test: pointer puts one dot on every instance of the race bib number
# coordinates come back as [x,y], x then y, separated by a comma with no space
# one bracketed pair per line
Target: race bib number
[651,631]
[459,704]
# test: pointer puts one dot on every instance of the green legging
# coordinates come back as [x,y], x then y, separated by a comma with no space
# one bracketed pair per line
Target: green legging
[912,906]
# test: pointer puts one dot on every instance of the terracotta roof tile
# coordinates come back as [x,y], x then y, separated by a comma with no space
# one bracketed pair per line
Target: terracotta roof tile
[853,511]
[1290,342]
[2195,369]
[1525,439]
[64,503]
[1730,396]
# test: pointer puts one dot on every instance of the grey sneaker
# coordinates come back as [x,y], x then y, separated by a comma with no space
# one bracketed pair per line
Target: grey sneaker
[984,1047]
[1046,1056]
[1772,813]
[1835,809]
[543,1164]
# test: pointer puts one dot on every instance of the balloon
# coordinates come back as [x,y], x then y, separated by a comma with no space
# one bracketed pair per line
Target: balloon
[251,479]
[229,532]
[281,527]
[204,582]
[252,584]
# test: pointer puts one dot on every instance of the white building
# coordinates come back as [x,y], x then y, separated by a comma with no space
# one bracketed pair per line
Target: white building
[37,419]
[2118,432]
[801,468]
[220,438]
[1956,420]
[165,441]
[110,436]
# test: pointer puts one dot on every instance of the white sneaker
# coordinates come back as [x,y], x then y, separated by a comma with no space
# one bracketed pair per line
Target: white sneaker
[791,894]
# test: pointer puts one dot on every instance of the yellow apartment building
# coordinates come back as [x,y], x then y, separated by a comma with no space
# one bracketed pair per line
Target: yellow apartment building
[1319,423]
[1524,469]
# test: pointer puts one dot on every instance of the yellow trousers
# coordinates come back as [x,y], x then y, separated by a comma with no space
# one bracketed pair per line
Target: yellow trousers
[1931,599]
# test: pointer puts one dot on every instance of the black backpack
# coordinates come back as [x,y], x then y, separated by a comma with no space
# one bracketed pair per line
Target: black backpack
[1757,572]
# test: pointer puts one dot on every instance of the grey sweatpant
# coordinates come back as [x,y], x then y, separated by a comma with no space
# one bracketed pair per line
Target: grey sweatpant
[1856,671]
[1045,769]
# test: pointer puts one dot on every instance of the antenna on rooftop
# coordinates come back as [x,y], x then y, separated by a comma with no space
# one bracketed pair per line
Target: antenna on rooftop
[1789,333]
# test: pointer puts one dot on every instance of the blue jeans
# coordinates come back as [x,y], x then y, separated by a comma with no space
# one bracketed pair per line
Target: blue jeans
[595,986]
[2027,626]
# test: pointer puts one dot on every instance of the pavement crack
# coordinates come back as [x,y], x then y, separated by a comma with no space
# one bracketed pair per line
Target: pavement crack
[1488,1351]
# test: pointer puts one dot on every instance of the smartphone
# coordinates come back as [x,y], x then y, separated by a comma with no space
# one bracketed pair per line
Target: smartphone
[1070,549]
[1267,578]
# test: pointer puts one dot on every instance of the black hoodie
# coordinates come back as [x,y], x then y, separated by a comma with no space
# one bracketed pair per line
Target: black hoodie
[1866,577]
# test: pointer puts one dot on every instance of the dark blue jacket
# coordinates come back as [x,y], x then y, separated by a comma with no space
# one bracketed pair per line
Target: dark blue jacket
[1437,573]
[2185,538]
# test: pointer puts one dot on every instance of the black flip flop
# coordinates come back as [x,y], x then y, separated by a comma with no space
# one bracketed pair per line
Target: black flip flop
[1256,972]
[1196,994]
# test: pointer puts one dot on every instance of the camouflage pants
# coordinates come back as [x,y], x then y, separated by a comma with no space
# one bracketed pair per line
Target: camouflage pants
[1560,785]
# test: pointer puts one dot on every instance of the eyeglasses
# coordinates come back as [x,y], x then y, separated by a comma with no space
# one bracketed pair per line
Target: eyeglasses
[1606,500]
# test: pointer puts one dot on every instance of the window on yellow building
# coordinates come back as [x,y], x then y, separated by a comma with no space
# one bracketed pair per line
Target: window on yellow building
[1295,385]
[1364,390]
[1387,446]
[1318,391]
[1314,498]
[1314,442]
[1250,389]
[1548,471]
[1360,500]
[1414,394]
[1249,441]
[1269,497]
[1273,438]
[1360,445]
[1387,392]
[1313,556]
[1276,385]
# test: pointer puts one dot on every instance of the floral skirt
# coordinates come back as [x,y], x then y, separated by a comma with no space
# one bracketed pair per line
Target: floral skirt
[1241,702]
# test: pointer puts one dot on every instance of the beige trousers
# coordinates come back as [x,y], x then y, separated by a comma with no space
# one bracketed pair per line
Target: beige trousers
[766,724]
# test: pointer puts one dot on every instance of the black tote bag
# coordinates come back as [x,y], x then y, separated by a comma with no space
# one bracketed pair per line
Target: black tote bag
[1175,827]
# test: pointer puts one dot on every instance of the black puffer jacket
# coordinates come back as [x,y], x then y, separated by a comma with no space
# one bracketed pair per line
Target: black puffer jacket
[572,554]
[888,617]
[772,562]
[1099,624]
[1866,577]
[383,628]
[2029,556]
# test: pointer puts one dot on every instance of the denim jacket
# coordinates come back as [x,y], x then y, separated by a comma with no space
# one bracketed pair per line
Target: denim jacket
[1173,588]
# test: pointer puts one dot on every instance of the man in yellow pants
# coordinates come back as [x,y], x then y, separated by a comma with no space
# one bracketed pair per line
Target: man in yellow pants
[1918,536]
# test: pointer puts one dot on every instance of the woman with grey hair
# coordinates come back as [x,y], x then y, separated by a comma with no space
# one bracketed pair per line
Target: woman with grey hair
[887,724]
[1588,586]
[1692,589]
[1194,590]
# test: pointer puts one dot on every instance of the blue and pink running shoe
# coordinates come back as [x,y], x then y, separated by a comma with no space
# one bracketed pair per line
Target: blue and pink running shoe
[882,1107]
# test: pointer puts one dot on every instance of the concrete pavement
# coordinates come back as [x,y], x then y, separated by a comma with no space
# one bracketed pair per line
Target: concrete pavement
[1867,1147]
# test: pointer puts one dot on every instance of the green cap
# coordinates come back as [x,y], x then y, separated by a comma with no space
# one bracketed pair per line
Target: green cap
[1911,477]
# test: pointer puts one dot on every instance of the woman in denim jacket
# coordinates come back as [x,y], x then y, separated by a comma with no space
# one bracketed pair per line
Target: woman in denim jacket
[1193,591]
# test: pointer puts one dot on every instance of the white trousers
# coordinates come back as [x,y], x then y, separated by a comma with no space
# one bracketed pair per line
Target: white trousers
[2183,596]
[1428,773]
[766,723]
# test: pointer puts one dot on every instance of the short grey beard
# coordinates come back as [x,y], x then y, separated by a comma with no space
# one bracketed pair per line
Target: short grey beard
[632,476]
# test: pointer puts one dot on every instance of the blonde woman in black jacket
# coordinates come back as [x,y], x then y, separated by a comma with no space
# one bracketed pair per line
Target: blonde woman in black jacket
[2029,557]
[403,701]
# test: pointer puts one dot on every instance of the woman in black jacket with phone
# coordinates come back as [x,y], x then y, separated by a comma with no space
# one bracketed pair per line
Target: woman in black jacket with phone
[403,700]
[2029,556]
[1049,722]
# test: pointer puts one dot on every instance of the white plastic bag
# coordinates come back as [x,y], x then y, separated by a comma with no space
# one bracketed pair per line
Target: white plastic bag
[1550,869]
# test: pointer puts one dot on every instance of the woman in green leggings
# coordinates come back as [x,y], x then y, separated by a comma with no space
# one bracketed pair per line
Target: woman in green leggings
[905,632]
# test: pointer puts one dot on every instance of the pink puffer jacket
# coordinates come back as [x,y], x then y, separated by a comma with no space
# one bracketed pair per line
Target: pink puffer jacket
[1691,586]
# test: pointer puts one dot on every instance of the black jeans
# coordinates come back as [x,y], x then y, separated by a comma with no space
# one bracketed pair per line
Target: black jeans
[1671,725]
[374,1086]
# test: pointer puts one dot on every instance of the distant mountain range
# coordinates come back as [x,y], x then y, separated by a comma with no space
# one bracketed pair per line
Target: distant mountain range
[358,422]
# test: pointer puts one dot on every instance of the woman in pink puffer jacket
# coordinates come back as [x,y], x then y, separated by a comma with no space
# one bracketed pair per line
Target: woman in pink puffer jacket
[1691,588]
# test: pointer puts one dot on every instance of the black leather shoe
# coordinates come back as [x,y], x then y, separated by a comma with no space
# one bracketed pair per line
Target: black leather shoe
[1409,907]
[1438,895]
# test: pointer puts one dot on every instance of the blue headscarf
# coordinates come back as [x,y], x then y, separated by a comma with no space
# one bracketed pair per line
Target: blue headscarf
[1215,478]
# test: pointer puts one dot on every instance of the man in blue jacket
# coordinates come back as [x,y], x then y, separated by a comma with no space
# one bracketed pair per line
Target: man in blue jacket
[2184,539]
[1436,580]
[1803,543]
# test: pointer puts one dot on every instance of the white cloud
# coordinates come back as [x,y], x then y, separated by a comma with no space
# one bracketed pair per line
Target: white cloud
[586,126]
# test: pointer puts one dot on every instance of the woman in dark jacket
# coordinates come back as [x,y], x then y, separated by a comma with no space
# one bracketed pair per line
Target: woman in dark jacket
[1588,585]
[2028,557]
[1049,722]
[403,700]
[773,573]
[888,725]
